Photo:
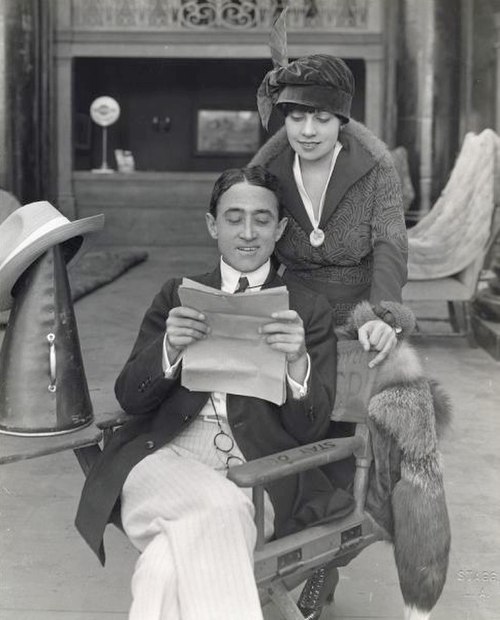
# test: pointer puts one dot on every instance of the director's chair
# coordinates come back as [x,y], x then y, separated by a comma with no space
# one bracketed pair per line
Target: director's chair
[284,563]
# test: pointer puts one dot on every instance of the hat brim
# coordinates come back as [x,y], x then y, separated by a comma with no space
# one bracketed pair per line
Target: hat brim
[11,271]
[318,97]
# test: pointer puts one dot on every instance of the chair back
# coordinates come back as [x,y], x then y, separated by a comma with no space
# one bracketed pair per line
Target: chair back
[355,382]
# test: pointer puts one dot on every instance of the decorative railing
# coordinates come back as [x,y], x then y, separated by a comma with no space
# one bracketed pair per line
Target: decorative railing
[233,15]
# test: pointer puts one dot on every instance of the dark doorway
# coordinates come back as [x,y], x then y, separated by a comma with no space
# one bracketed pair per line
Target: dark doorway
[160,102]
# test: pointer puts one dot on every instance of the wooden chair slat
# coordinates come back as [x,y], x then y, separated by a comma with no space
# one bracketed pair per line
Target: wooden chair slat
[281,464]
[14,448]
[355,381]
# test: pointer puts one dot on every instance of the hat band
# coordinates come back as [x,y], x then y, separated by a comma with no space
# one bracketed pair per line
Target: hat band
[54,223]
[327,98]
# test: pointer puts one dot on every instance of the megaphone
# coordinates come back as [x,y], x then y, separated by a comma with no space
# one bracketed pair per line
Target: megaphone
[43,388]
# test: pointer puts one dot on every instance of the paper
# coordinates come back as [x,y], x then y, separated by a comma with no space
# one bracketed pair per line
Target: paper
[234,358]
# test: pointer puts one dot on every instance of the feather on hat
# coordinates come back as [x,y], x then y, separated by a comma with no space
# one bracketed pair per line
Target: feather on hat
[320,81]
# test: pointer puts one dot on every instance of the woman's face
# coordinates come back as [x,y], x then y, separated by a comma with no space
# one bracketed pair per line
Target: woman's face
[312,134]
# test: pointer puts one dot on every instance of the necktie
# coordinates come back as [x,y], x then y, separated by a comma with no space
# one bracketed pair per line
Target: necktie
[242,285]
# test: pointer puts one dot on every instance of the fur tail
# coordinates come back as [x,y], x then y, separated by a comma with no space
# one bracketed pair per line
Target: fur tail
[421,534]
[442,408]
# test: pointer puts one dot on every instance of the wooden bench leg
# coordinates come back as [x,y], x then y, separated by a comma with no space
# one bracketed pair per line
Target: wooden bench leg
[469,332]
[453,316]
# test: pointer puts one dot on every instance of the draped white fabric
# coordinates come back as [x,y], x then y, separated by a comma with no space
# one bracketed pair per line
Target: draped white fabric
[456,230]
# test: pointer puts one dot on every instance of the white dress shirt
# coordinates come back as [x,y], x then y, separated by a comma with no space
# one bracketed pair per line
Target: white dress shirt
[308,206]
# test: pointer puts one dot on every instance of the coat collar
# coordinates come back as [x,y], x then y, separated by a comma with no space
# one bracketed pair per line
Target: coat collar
[353,162]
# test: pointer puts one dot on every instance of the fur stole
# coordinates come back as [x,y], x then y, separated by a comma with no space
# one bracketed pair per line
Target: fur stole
[407,415]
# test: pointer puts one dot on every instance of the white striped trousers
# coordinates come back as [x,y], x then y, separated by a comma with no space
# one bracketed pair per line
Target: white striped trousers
[195,531]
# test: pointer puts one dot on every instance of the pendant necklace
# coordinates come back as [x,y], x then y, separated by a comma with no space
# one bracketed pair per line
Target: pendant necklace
[317,237]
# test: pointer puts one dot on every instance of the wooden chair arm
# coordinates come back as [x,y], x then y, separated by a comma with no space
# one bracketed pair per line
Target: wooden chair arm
[269,468]
[110,419]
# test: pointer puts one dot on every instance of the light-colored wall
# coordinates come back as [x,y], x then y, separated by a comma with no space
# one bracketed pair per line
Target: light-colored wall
[479,72]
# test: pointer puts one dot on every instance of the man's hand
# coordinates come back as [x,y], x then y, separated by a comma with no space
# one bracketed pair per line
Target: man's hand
[379,336]
[184,326]
[286,333]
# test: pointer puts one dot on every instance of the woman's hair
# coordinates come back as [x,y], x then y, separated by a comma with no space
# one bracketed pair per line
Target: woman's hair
[288,108]
[253,175]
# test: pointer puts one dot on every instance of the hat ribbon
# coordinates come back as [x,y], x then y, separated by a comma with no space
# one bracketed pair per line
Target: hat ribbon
[32,237]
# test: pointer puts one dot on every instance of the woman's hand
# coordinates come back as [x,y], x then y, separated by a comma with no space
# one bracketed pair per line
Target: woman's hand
[379,336]
[184,326]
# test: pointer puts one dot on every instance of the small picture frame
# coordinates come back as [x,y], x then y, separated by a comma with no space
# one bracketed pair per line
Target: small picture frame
[227,132]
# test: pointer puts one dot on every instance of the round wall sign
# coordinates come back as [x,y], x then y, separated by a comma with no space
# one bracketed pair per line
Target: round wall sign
[104,111]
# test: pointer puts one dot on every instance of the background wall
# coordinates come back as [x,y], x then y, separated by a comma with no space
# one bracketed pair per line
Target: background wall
[25,86]
[427,92]
[479,68]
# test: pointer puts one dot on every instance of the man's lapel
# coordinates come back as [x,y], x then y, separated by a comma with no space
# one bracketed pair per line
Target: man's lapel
[272,279]
[213,278]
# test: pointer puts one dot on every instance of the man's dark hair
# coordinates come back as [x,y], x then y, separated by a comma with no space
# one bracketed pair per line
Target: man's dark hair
[254,175]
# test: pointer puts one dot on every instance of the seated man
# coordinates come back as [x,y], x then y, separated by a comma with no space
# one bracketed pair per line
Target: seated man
[193,527]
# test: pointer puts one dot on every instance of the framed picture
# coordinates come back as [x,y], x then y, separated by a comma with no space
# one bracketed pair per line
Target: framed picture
[227,132]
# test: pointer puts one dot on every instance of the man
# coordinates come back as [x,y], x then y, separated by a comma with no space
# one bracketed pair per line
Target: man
[193,527]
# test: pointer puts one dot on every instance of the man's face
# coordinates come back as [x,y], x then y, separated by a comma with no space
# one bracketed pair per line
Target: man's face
[246,226]
[312,135]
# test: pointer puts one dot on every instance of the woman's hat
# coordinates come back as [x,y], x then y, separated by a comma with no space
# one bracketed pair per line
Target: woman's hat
[319,81]
[31,230]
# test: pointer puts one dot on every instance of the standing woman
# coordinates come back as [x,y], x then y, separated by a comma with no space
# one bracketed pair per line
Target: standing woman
[346,235]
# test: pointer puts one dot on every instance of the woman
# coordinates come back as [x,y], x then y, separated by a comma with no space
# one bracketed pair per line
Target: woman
[346,235]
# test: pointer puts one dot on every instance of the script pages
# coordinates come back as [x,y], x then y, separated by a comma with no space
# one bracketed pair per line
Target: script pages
[234,358]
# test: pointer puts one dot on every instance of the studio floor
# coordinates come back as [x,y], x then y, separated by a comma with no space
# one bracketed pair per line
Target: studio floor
[47,572]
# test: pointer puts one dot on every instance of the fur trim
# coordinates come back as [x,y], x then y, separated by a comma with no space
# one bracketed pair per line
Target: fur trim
[401,316]
[406,412]
[278,142]
[410,409]
[442,408]
[368,140]
[273,147]
[401,366]
[421,542]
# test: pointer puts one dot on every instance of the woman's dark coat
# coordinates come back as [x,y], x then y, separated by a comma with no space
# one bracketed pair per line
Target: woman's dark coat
[364,256]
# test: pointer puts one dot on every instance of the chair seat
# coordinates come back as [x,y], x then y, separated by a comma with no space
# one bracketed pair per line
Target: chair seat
[440,289]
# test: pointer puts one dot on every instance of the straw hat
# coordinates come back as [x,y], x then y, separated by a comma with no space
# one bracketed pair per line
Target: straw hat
[30,231]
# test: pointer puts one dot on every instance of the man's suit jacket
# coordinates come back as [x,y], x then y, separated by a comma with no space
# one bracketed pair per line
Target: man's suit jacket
[162,408]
